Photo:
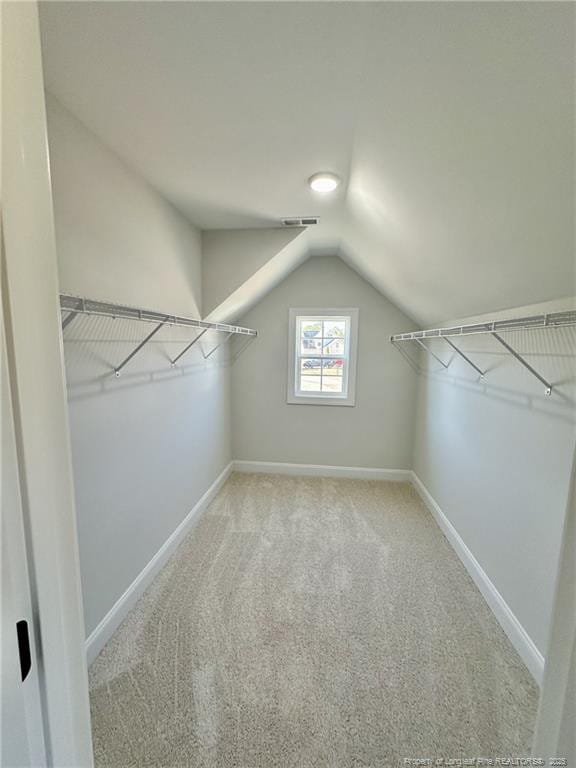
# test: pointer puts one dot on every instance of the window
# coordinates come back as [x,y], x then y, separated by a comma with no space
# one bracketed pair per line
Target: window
[322,356]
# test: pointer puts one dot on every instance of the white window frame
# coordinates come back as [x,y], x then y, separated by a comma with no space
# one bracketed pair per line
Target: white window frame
[348,397]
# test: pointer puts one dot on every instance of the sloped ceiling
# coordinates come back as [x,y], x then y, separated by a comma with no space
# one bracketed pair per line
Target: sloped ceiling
[230,257]
[257,283]
[452,125]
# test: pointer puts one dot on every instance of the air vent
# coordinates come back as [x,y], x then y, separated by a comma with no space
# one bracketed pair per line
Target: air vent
[300,221]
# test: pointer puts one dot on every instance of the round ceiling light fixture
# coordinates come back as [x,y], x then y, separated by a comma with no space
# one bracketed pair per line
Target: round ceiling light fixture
[324,182]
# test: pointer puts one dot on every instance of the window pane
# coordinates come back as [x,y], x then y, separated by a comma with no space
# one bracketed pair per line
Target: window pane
[334,328]
[333,346]
[310,346]
[310,383]
[332,367]
[332,383]
[309,329]
[332,376]
[311,366]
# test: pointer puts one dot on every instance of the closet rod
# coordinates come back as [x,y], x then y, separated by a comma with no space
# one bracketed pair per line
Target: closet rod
[79,306]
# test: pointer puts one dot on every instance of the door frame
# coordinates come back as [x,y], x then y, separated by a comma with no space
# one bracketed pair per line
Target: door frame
[22,726]
[37,383]
[554,730]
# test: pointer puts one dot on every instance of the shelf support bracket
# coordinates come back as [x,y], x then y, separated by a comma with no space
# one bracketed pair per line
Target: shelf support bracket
[405,354]
[218,345]
[173,362]
[431,353]
[73,313]
[523,362]
[243,347]
[465,357]
[139,347]
[68,319]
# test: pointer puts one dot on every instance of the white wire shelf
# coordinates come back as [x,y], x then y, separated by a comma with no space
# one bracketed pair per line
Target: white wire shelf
[77,305]
[494,328]
[73,306]
[551,320]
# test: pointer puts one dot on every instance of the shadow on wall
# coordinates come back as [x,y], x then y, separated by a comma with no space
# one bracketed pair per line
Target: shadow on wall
[94,346]
[551,352]
[562,411]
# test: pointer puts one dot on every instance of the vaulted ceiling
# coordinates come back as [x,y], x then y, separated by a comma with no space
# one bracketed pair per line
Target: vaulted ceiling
[451,124]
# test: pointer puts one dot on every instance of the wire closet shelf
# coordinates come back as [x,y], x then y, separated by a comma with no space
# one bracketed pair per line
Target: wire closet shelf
[73,306]
[494,328]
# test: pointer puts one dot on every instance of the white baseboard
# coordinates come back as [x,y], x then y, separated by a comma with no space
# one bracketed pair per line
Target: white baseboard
[116,615]
[516,633]
[322,470]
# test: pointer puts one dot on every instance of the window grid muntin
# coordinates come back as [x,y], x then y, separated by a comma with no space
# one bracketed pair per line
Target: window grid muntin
[301,320]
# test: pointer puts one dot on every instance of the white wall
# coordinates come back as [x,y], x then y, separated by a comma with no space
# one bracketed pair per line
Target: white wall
[496,456]
[147,445]
[377,432]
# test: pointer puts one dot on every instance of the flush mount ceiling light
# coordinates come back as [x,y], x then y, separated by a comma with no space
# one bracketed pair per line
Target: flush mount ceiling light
[324,182]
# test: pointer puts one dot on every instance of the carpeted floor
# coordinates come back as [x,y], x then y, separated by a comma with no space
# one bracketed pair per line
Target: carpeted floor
[310,623]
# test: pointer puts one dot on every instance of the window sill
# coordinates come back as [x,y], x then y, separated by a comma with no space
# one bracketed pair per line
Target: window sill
[303,400]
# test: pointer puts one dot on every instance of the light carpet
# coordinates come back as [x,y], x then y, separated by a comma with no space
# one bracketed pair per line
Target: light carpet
[310,622]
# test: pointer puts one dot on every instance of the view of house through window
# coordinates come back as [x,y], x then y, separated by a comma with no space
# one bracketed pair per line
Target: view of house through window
[322,354]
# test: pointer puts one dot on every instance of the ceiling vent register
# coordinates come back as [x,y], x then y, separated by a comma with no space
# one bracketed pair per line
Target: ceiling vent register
[300,221]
